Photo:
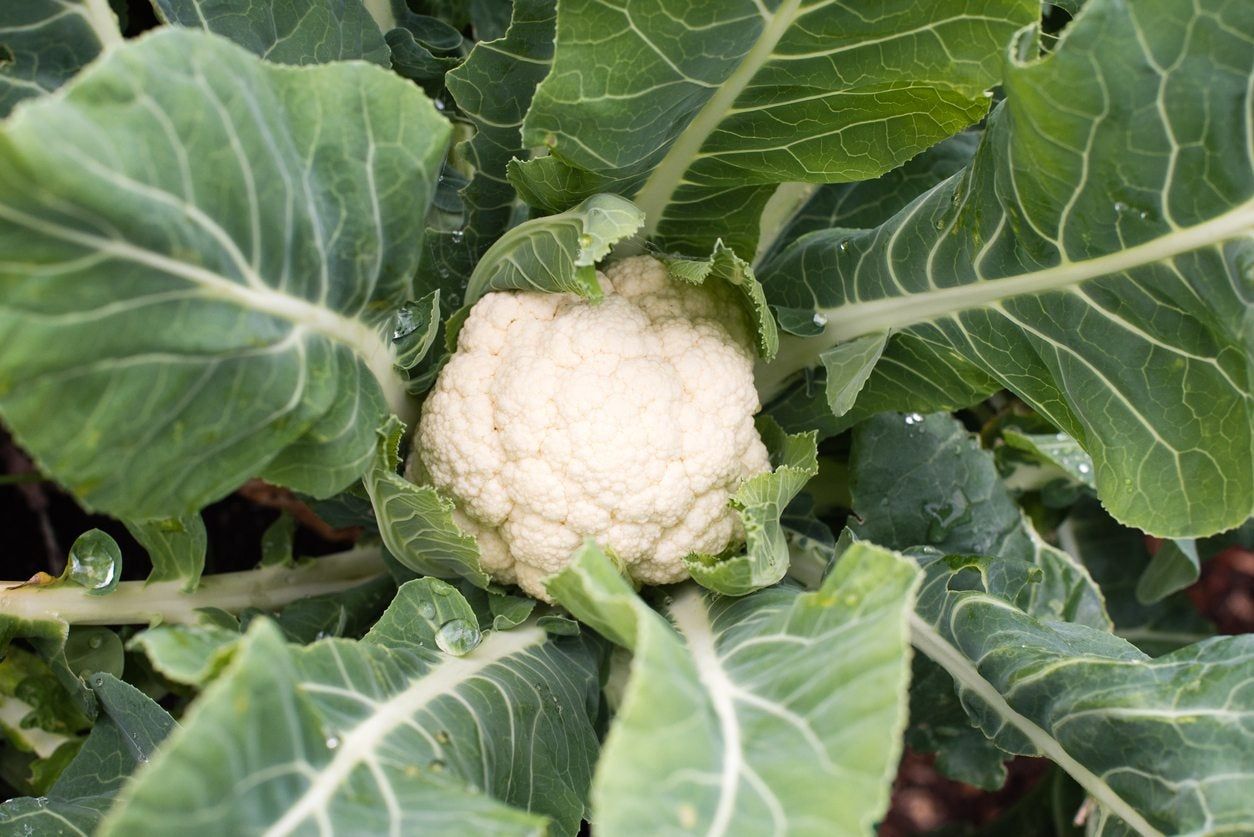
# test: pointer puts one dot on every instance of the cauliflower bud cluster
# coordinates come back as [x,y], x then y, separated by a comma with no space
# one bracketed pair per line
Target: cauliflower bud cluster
[628,421]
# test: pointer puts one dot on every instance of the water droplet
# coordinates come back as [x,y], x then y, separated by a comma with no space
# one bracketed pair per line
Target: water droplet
[457,637]
[442,737]
[844,245]
[1120,208]
[1083,468]
[988,94]
[404,323]
[439,105]
[457,236]
[913,419]
[426,610]
[820,319]
[332,742]
[436,766]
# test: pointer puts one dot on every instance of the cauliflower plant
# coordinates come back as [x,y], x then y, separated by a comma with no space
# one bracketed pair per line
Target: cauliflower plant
[629,421]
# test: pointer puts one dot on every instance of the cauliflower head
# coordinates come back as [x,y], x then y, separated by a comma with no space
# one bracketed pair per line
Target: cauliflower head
[629,421]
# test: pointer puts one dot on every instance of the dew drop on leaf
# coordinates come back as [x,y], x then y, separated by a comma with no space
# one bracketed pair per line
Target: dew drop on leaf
[457,637]
[426,610]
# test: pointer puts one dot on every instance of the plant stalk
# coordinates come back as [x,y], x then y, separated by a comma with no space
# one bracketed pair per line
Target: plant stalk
[141,603]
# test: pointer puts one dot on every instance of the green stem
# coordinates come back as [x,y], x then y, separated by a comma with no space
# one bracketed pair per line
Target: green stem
[141,603]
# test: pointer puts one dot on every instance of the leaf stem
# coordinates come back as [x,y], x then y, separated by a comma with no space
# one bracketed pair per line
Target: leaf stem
[929,641]
[891,313]
[140,603]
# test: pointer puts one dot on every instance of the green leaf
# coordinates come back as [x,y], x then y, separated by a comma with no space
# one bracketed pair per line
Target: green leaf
[1174,567]
[309,32]
[278,542]
[188,654]
[201,223]
[496,110]
[416,521]
[1067,691]
[1057,449]
[1077,262]
[429,613]
[126,735]
[723,102]
[727,267]
[93,650]
[176,546]
[375,737]
[761,501]
[780,712]
[869,203]
[346,613]
[1116,557]
[45,42]
[924,481]
[848,366]
[557,253]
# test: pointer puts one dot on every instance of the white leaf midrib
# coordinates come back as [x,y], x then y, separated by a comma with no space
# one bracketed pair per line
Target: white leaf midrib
[358,745]
[691,618]
[929,641]
[892,313]
[855,319]
[666,177]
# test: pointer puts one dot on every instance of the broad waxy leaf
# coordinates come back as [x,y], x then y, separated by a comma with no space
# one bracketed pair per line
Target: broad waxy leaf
[1056,449]
[497,111]
[200,252]
[779,712]
[924,482]
[125,735]
[416,521]
[1162,745]
[1116,557]
[176,546]
[728,98]
[761,501]
[1174,566]
[907,372]
[385,735]
[286,31]
[557,253]
[1094,258]
[45,42]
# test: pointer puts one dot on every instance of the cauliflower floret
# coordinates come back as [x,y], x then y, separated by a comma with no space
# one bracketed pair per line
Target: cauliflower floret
[629,421]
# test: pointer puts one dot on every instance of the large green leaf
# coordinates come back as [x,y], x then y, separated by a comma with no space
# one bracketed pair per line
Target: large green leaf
[497,109]
[725,99]
[286,31]
[1116,557]
[45,42]
[1162,745]
[1094,258]
[385,735]
[779,712]
[201,254]
[125,736]
[924,482]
